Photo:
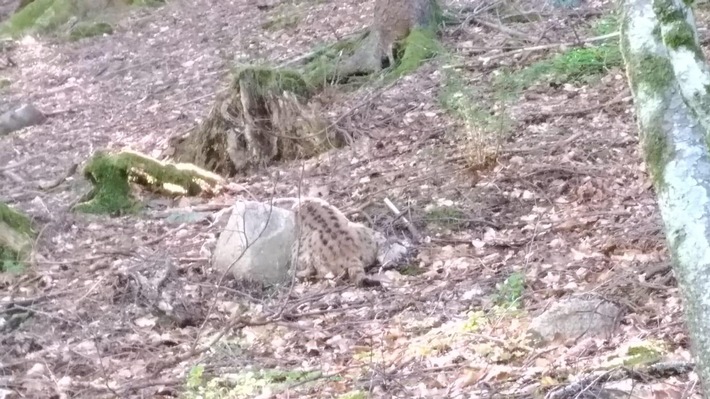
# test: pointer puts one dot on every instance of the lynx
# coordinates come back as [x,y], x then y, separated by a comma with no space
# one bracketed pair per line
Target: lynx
[330,244]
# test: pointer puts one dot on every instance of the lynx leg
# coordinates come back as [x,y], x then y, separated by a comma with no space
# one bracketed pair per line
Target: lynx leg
[355,270]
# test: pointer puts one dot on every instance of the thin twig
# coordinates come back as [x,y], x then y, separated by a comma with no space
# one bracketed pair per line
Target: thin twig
[412,230]
[551,46]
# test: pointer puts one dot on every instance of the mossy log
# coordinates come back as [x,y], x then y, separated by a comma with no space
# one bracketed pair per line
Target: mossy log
[16,236]
[265,116]
[112,175]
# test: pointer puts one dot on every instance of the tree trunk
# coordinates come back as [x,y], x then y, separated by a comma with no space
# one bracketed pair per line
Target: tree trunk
[394,21]
[666,76]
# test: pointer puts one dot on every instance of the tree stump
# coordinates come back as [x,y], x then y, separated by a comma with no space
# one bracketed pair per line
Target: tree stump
[266,116]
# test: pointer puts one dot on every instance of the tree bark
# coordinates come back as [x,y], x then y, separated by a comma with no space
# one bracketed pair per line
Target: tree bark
[674,147]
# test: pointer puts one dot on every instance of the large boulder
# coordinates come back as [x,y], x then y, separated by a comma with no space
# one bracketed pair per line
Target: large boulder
[574,317]
[256,243]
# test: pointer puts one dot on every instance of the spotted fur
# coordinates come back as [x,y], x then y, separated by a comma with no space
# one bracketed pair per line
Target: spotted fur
[329,244]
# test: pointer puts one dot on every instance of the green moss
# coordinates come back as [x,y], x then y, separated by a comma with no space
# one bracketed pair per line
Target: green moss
[419,46]
[510,293]
[263,81]
[578,65]
[112,192]
[15,220]
[5,82]
[26,18]
[245,384]
[146,3]
[681,35]
[667,12]
[12,258]
[111,175]
[607,24]
[656,150]
[39,16]
[657,72]
[656,75]
[44,16]
[88,29]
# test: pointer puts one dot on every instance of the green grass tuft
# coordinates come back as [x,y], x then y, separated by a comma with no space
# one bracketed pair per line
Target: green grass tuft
[510,292]
[579,65]
[89,29]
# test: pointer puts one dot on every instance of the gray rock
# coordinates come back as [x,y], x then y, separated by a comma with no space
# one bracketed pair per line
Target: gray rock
[574,317]
[19,118]
[266,247]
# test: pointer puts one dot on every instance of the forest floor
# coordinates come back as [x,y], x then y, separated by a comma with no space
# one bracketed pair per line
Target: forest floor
[567,208]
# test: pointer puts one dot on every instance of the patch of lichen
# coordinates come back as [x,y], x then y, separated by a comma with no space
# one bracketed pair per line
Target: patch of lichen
[111,175]
[89,29]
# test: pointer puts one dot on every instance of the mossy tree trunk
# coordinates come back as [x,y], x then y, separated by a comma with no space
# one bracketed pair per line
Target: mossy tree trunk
[668,77]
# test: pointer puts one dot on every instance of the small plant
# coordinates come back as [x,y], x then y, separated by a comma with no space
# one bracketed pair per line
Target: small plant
[353,395]
[284,16]
[476,321]
[511,291]
[485,129]
[445,216]
[245,384]
[606,25]
[579,65]
[194,377]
